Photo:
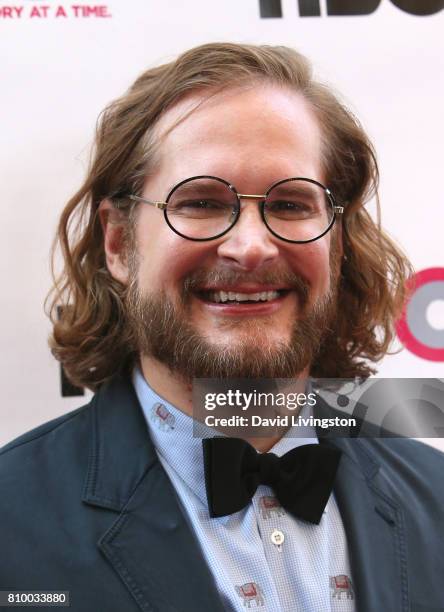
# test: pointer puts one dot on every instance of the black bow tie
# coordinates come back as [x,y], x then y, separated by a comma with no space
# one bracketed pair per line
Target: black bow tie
[302,479]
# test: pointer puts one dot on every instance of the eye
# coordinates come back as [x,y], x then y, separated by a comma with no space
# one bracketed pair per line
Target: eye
[206,204]
[202,208]
[285,205]
[290,208]
[198,204]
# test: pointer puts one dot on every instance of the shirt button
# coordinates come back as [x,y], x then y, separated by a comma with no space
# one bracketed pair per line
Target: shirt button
[277,537]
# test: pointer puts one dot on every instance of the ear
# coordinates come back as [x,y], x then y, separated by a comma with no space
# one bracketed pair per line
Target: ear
[113,227]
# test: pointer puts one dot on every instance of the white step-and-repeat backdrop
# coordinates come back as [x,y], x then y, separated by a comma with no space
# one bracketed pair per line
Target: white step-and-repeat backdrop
[62,62]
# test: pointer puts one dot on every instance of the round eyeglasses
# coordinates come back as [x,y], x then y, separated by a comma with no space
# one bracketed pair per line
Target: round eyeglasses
[205,207]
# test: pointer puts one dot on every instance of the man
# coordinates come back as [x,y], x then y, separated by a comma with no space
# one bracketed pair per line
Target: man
[221,234]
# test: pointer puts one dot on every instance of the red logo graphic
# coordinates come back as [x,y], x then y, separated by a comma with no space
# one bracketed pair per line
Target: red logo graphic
[162,417]
[413,328]
[270,505]
[249,592]
[341,584]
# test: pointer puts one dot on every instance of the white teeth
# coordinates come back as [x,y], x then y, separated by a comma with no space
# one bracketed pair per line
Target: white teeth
[224,296]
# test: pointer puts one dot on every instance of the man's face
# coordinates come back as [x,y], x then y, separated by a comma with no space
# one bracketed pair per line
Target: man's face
[251,137]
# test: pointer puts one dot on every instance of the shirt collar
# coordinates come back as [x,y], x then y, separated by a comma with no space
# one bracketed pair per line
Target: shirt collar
[177,437]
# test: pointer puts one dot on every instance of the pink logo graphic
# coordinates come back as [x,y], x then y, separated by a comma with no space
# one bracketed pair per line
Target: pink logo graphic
[162,417]
[270,505]
[413,328]
[341,584]
[249,592]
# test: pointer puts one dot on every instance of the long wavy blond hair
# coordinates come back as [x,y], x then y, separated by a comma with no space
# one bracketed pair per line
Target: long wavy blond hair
[91,337]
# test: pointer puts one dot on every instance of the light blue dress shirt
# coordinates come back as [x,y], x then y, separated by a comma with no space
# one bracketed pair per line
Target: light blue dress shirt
[261,557]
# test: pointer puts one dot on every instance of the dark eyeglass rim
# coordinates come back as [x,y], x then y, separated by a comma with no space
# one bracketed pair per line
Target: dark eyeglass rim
[237,209]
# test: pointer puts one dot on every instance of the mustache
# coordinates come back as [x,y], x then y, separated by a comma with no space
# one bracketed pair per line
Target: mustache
[287,279]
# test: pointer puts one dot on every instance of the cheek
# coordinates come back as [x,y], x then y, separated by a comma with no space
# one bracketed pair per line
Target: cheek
[312,261]
[165,258]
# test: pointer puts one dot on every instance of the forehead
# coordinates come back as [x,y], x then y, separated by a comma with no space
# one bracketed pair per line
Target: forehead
[261,131]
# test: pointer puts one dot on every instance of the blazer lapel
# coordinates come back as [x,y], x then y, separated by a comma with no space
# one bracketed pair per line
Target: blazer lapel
[374,526]
[373,522]
[150,545]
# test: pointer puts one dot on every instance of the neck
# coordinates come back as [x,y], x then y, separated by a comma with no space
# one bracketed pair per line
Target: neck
[178,393]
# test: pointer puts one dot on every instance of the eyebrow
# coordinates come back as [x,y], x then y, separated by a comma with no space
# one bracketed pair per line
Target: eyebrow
[303,190]
[209,183]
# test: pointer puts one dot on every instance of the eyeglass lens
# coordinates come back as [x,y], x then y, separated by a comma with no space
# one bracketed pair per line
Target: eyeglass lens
[204,208]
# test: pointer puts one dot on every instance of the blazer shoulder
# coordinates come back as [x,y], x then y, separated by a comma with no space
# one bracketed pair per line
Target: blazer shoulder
[404,450]
[66,426]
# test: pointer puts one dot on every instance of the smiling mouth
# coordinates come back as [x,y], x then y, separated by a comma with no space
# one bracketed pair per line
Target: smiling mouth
[238,297]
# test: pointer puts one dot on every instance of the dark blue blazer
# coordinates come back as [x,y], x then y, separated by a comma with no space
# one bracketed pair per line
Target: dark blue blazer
[86,507]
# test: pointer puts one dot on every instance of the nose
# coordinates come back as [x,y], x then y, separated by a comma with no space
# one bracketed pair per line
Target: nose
[249,245]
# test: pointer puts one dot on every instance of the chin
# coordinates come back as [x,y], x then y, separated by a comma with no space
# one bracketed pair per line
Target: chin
[260,339]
